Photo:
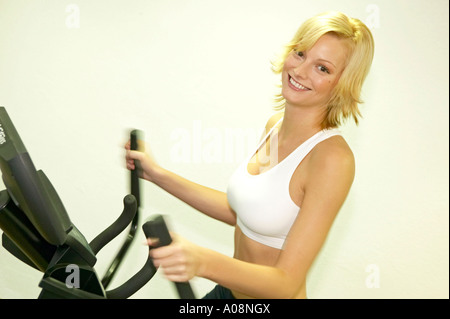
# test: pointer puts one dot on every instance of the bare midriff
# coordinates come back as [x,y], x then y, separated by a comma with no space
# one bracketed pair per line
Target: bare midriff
[251,251]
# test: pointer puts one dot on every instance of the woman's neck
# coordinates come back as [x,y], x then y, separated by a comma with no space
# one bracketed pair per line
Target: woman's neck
[300,123]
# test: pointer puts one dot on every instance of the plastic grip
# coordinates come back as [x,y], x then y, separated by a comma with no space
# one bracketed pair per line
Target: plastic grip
[128,213]
[134,283]
[135,189]
[157,228]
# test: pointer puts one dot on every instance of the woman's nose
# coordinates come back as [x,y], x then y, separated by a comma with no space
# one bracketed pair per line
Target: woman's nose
[300,70]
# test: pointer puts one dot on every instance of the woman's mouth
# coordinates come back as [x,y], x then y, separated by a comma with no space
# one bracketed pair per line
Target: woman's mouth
[296,85]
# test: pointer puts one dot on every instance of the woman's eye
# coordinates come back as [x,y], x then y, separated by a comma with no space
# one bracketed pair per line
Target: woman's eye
[323,69]
[299,53]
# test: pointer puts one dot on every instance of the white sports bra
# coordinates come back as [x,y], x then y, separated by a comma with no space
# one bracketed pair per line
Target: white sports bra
[264,208]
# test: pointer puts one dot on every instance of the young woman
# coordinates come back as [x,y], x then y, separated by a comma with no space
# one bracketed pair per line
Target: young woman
[283,199]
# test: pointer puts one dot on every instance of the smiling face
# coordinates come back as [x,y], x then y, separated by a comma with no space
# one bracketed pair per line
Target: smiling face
[309,77]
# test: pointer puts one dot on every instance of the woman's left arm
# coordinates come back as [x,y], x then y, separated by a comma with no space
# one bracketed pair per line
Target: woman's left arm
[330,176]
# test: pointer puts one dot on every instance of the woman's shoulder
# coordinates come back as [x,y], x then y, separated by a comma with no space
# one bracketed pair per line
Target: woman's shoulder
[333,153]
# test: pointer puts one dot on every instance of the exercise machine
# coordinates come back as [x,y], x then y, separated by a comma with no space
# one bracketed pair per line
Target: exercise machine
[38,231]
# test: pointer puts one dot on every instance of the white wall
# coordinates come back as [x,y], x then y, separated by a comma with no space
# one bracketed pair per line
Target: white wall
[75,76]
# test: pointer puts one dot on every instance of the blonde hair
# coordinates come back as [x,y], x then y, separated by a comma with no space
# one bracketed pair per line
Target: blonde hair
[347,93]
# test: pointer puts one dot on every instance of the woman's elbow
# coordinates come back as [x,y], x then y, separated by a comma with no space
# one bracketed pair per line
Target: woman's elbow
[290,287]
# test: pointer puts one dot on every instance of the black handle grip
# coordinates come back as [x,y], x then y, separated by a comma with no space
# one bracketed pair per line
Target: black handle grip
[157,228]
[134,283]
[128,213]
[135,189]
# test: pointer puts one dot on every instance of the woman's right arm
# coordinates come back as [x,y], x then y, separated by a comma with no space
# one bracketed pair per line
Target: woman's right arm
[209,201]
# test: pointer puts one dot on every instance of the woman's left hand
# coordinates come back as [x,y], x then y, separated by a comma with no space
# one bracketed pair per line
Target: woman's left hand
[180,261]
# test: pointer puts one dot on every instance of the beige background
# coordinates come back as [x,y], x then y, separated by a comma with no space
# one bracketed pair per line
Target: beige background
[195,76]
